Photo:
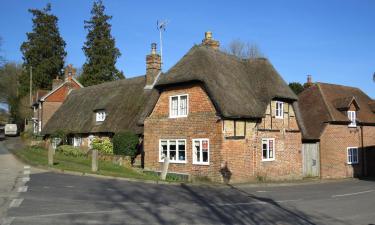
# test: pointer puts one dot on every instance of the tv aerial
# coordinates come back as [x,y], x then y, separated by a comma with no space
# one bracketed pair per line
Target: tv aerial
[161,26]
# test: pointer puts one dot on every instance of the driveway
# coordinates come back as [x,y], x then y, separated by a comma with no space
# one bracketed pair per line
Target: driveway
[51,198]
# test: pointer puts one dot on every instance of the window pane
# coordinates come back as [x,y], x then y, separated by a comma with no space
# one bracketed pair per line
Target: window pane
[172,150]
[205,156]
[183,105]
[355,155]
[181,150]
[197,150]
[174,106]
[163,148]
[270,147]
[264,148]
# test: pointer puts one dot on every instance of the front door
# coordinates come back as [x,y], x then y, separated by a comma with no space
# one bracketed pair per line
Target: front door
[311,164]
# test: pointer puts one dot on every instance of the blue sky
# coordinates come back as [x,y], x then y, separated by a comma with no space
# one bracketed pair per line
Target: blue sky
[332,40]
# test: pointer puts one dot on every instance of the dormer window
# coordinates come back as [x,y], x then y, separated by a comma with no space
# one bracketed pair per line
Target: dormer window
[279,110]
[178,106]
[100,116]
[352,117]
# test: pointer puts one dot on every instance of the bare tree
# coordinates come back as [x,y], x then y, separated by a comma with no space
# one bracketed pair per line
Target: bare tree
[243,50]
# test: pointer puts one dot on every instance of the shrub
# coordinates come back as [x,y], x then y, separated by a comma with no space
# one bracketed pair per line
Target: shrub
[103,145]
[125,143]
[59,134]
[69,150]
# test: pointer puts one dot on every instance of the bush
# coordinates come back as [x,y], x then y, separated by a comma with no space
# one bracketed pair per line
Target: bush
[103,145]
[69,150]
[125,143]
[59,134]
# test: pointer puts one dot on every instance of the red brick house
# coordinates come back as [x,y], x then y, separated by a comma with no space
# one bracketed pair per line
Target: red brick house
[338,127]
[46,102]
[223,118]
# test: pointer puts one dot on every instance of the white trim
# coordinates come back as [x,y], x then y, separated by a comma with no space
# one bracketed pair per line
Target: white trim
[281,111]
[168,150]
[352,116]
[195,162]
[100,115]
[347,156]
[178,105]
[268,151]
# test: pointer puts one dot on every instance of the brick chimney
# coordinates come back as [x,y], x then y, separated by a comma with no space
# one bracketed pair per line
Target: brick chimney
[56,82]
[208,41]
[309,82]
[69,72]
[153,66]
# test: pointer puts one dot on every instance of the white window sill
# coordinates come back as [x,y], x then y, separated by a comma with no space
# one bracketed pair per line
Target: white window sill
[268,160]
[174,117]
[175,162]
[201,164]
[353,163]
[279,117]
[353,126]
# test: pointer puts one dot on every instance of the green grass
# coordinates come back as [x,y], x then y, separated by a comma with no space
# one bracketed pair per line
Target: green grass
[37,156]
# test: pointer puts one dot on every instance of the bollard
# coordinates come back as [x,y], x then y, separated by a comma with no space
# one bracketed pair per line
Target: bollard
[94,161]
[50,155]
[165,168]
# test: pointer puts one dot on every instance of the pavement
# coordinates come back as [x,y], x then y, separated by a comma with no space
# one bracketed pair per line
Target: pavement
[55,198]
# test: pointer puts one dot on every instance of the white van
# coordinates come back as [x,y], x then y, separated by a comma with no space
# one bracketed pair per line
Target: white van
[10,129]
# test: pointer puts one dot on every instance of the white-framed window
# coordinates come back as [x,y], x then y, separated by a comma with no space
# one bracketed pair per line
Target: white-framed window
[178,106]
[174,149]
[39,126]
[352,117]
[100,116]
[268,149]
[279,110]
[201,151]
[77,141]
[55,142]
[352,155]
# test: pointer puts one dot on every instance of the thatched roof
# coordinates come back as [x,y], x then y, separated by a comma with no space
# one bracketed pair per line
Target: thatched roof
[123,101]
[324,103]
[238,88]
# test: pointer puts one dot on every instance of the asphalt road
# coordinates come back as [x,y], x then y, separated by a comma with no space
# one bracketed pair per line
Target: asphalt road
[52,198]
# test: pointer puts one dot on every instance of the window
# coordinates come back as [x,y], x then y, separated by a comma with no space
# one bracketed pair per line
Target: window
[77,141]
[178,106]
[268,149]
[201,151]
[352,117]
[100,116]
[352,155]
[174,149]
[280,110]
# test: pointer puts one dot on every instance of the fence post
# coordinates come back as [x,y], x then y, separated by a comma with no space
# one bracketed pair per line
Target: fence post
[165,168]
[94,160]
[50,155]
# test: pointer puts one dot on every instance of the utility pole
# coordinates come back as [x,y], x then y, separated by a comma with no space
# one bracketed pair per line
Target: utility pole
[31,85]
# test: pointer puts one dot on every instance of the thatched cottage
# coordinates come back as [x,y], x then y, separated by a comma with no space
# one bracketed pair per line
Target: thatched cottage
[47,102]
[338,127]
[212,114]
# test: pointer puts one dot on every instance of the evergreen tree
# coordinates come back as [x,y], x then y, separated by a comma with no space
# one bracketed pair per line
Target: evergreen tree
[296,87]
[44,51]
[100,50]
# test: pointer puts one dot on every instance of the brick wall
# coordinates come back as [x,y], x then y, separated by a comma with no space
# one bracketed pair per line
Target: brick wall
[334,142]
[201,122]
[243,157]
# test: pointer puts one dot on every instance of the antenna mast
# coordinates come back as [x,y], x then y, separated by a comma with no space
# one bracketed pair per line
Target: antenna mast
[161,26]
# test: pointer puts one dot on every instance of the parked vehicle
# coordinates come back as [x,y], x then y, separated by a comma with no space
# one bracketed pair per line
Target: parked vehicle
[10,129]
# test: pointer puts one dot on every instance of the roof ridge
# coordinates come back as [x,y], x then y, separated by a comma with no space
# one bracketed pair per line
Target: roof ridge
[324,100]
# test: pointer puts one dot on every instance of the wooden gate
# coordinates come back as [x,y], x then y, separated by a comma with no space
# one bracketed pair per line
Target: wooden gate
[310,159]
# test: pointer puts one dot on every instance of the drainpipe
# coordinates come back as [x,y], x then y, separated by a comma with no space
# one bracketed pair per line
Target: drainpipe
[364,163]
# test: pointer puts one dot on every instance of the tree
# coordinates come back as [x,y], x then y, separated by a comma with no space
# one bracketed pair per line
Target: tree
[243,50]
[19,106]
[44,51]
[100,50]
[296,87]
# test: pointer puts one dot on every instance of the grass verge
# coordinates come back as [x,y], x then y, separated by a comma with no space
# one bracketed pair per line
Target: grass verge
[37,156]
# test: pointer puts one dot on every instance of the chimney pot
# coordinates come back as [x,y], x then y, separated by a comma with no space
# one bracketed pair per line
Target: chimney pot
[153,48]
[208,41]
[309,79]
